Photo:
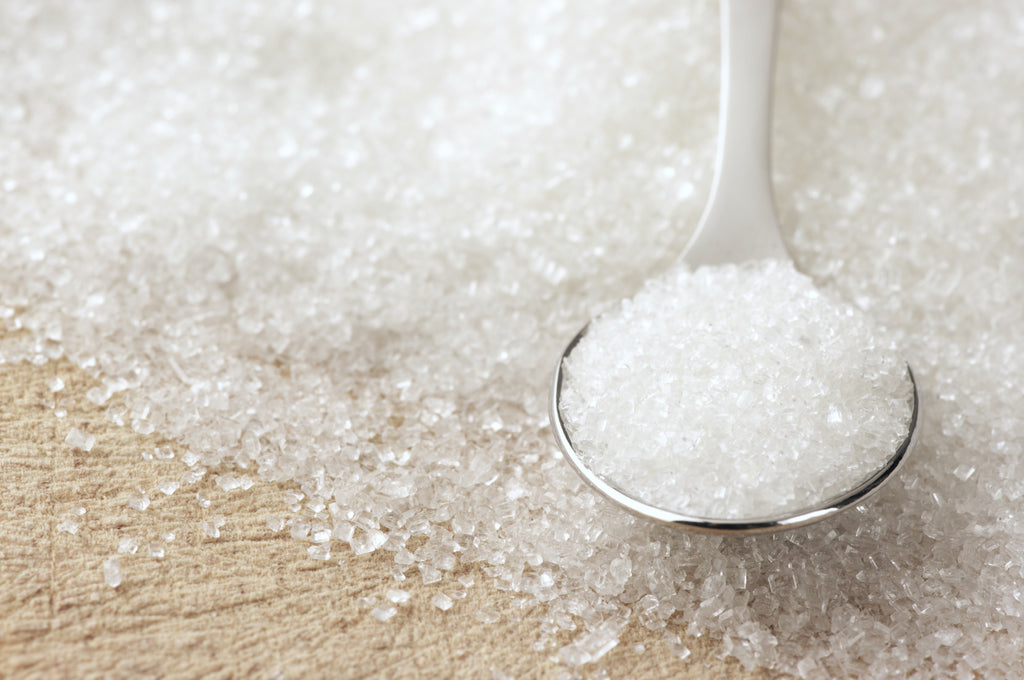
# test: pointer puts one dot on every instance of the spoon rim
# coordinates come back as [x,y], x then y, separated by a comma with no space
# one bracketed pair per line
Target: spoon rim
[829,507]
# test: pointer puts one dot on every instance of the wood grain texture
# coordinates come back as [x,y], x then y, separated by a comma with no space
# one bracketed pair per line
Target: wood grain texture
[250,603]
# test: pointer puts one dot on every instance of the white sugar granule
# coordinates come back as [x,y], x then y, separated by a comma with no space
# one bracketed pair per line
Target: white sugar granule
[735,392]
[83,441]
[112,572]
[69,526]
[486,176]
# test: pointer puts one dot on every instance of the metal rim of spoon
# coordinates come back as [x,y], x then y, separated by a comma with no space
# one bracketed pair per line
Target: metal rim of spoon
[738,224]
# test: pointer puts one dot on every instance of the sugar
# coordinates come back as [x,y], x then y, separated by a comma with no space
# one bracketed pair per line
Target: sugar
[156,551]
[80,440]
[675,645]
[593,645]
[68,526]
[97,395]
[383,612]
[232,482]
[430,574]
[213,526]
[397,596]
[168,486]
[319,551]
[127,545]
[368,541]
[163,453]
[139,501]
[736,391]
[442,602]
[55,383]
[112,572]
[394,330]
[488,616]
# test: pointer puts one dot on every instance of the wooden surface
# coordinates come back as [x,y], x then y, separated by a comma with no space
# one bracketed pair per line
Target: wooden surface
[250,603]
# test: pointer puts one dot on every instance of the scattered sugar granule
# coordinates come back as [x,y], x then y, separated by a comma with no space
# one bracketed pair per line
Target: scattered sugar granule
[384,612]
[368,541]
[163,453]
[233,482]
[168,486]
[167,536]
[112,572]
[736,391]
[430,574]
[592,645]
[82,441]
[138,502]
[320,551]
[203,501]
[275,524]
[68,526]
[97,395]
[55,384]
[442,602]
[487,616]
[320,533]
[127,545]
[398,596]
[676,646]
[213,526]
[156,551]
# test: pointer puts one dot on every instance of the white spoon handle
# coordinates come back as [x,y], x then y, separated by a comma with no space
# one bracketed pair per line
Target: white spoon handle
[739,222]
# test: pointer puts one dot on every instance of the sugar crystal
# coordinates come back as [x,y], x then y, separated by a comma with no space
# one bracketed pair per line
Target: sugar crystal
[442,602]
[320,551]
[80,440]
[368,541]
[168,486]
[383,612]
[139,501]
[112,572]
[163,453]
[398,596]
[69,526]
[212,527]
[487,616]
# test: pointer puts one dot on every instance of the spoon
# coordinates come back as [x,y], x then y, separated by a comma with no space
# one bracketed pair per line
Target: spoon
[738,224]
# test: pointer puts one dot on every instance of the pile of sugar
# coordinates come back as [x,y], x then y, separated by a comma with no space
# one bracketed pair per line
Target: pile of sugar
[735,392]
[339,246]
